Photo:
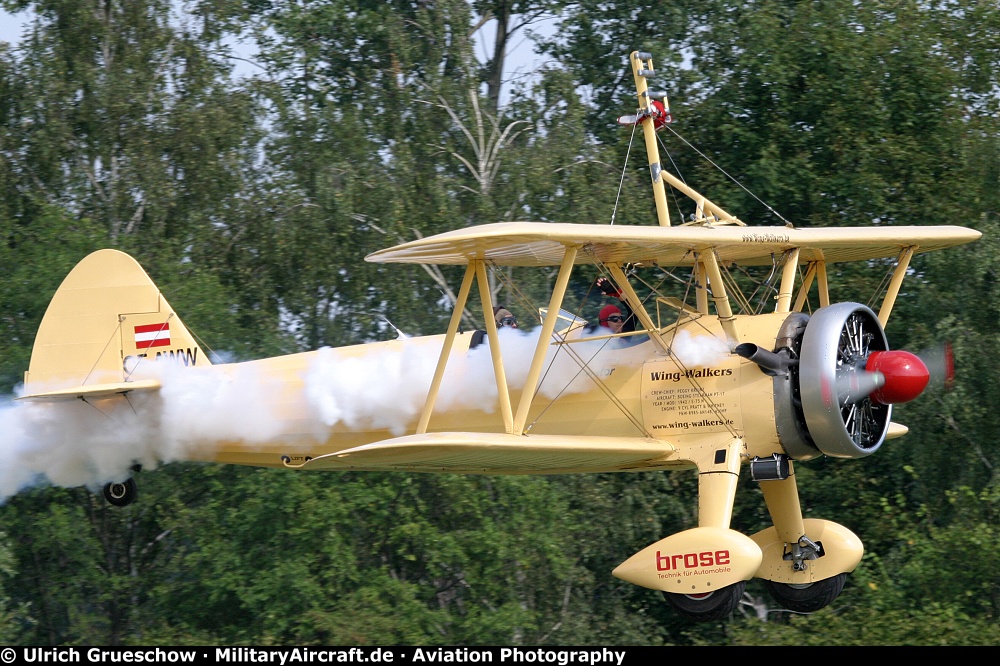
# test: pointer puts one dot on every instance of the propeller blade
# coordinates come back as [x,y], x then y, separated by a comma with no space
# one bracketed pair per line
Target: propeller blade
[940,362]
[854,385]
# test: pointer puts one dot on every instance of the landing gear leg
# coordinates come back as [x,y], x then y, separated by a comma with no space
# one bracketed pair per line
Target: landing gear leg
[791,555]
[782,499]
[717,480]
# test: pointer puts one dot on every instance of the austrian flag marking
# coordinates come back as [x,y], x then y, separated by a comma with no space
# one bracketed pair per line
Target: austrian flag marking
[152,335]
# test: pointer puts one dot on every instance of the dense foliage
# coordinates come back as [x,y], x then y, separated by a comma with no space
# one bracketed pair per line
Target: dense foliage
[251,193]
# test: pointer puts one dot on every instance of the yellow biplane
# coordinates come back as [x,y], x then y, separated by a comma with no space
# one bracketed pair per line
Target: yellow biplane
[702,380]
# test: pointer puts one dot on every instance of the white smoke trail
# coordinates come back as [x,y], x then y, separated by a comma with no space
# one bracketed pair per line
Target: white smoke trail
[381,392]
[702,350]
[66,444]
[72,443]
[75,443]
[388,391]
[231,402]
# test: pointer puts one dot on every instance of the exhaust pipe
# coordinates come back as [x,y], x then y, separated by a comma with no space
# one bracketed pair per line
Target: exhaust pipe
[771,363]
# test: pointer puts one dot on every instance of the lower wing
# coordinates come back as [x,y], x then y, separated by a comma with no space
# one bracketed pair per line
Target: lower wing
[491,453]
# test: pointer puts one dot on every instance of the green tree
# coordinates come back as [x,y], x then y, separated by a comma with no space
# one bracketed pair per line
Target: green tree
[506,18]
[117,114]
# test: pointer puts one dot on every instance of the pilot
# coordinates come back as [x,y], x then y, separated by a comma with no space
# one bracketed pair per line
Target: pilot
[504,317]
[619,318]
[611,317]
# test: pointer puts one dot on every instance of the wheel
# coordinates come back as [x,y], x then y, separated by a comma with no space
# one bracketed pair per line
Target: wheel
[121,494]
[807,598]
[709,606]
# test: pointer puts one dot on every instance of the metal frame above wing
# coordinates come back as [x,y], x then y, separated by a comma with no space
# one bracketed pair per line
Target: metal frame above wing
[514,422]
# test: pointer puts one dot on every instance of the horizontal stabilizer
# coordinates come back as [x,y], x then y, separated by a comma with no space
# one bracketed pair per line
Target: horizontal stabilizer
[491,453]
[94,390]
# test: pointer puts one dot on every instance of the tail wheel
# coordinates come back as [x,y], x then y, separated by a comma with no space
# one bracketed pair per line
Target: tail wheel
[843,422]
[807,598]
[121,494]
[707,607]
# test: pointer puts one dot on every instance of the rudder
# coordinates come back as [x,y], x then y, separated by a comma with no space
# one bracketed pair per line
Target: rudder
[106,313]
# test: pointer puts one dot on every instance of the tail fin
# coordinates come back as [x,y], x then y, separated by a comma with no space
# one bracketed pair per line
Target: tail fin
[106,317]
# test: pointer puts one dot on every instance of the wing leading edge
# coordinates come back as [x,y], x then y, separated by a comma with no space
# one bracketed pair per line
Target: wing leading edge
[544,244]
[491,453]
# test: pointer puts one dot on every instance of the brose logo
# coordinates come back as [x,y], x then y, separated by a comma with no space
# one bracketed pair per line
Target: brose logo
[708,558]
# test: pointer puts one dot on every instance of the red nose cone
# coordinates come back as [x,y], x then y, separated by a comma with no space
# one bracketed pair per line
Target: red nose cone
[906,376]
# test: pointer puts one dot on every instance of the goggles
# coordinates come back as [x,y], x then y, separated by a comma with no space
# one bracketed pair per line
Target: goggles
[614,319]
[509,321]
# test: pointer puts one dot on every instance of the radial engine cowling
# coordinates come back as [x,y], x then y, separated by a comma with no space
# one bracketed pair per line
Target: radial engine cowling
[841,382]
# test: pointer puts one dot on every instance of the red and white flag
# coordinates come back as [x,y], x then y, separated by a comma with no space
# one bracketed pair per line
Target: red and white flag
[152,335]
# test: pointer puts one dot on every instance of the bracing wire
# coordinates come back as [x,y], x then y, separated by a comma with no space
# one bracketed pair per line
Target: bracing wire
[723,171]
[621,182]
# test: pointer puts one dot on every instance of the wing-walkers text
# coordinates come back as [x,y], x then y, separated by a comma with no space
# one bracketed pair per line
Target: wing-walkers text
[694,373]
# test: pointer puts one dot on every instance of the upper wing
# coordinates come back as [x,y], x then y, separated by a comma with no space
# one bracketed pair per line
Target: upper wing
[544,244]
[490,453]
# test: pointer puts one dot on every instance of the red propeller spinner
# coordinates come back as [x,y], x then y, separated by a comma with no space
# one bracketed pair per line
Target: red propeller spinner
[906,375]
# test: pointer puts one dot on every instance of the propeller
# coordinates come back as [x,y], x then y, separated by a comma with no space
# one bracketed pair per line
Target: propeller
[849,379]
[657,110]
[894,377]
[844,380]
[853,384]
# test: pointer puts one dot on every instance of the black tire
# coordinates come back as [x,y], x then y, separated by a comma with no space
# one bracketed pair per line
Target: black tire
[121,494]
[807,598]
[707,607]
